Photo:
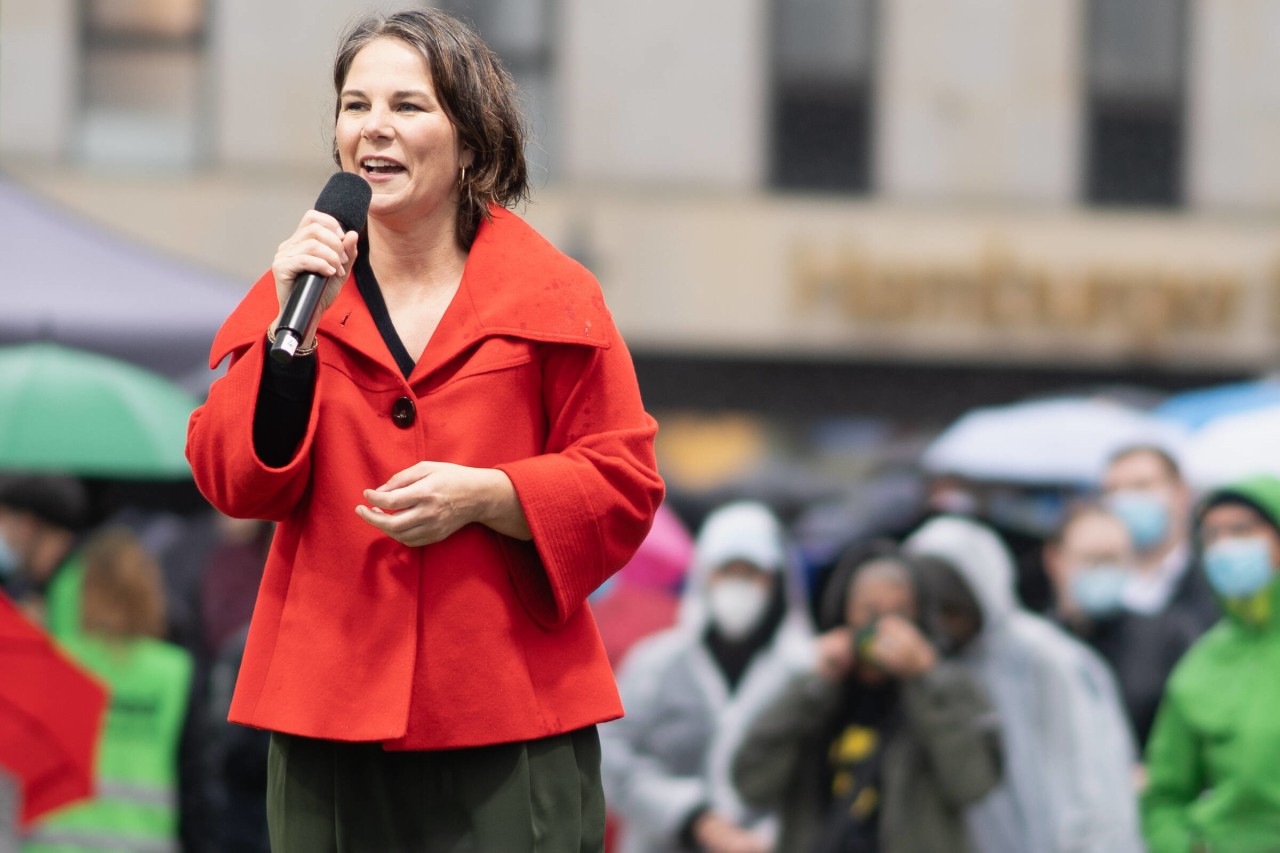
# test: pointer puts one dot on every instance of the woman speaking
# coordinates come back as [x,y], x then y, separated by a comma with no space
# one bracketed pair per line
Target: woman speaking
[456,458]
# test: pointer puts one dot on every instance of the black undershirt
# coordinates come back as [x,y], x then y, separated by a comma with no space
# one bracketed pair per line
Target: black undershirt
[286,391]
[367,284]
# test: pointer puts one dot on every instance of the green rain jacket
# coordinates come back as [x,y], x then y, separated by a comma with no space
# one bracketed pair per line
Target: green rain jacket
[1214,755]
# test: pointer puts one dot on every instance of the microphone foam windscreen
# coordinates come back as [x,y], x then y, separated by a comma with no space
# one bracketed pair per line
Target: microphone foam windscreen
[346,198]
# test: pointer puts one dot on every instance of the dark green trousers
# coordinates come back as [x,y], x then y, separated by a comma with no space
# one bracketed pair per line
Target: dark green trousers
[331,797]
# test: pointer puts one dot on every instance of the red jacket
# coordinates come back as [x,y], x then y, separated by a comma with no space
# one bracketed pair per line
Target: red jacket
[480,638]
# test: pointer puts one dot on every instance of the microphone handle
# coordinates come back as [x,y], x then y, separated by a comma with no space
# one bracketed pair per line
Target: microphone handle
[299,320]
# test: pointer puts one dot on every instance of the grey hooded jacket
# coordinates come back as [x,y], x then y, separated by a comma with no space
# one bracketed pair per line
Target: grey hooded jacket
[669,756]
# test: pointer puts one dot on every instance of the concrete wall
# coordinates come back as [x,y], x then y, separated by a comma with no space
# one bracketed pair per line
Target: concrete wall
[270,63]
[665,92]
[1234,92]
[39,77]
[979,100]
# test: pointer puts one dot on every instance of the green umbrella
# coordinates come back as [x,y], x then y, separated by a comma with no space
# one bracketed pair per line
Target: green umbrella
[76,412]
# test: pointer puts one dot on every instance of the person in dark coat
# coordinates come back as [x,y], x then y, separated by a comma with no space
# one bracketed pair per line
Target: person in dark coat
[1090,562]
[236,762]
[1144,486]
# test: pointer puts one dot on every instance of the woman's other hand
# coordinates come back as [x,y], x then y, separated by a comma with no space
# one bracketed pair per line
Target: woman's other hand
[432,500]
[317,246]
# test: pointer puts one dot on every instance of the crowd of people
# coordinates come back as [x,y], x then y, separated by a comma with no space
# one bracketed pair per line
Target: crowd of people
[155,607]
[906,699]
[902,698]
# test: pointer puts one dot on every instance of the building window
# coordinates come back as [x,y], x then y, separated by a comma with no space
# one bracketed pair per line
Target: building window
[520,32]
[143,92]
[823,61]
[1135,108]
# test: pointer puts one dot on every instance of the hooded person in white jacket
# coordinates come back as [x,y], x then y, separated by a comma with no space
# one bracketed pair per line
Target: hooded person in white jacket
[1068,750]
[690,691]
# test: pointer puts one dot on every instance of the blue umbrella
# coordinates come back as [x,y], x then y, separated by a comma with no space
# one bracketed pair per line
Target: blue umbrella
[1194,409]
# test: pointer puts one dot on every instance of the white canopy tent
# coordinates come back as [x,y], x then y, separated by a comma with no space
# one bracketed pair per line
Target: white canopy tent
[69,281]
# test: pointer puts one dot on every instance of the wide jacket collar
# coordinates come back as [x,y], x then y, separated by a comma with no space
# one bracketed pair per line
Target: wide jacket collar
[515,284]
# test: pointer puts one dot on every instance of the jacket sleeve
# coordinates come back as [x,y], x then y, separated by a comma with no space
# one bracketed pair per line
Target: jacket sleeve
[1174,781]
[591,496]
[1087,755]
[1110,765]
[221,450]
[768,760]
[638,786]
[1062,723]
[955,723]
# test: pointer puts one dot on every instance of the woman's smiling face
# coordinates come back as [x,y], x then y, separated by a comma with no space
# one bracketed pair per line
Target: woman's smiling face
[393,131]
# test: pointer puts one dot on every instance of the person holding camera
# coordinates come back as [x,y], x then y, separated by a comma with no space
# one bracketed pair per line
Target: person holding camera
[881,746]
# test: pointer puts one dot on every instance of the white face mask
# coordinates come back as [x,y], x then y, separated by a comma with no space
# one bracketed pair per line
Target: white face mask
[737,606]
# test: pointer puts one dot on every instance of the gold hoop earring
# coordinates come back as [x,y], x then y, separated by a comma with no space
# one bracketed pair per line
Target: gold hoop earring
[462,176]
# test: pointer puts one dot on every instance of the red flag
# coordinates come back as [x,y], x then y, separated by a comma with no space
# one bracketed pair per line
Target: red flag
[51,716]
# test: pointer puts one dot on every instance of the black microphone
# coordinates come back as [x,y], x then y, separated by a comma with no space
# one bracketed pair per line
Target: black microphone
[345,198]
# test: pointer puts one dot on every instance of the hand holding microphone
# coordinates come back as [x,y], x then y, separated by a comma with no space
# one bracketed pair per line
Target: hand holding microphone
[311,265]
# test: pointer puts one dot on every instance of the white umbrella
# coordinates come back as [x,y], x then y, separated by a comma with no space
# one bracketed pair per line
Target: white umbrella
[1234,446]
[1061,440]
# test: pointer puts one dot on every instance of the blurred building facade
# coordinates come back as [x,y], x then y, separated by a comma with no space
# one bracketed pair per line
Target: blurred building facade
[863,205]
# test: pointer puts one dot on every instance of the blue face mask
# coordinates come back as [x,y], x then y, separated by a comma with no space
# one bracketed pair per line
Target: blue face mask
[1099,592]
[1238,568]
[1144,514]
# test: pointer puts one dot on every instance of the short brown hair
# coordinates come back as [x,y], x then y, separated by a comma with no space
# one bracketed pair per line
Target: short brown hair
[123,594]
[1162,456]
[476,92]
[1076,510]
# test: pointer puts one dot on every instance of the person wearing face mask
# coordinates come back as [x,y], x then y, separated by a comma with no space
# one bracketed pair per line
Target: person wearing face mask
[1090,564]
[1144,487]
[742,630]
[42,521]
[1214,751]
[881,745]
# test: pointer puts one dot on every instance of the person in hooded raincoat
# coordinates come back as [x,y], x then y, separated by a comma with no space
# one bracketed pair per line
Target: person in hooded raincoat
[690,690]
[1213,760]
[1068,750]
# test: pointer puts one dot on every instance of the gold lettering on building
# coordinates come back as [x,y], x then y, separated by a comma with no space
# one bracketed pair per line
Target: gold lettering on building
[1148,304]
